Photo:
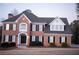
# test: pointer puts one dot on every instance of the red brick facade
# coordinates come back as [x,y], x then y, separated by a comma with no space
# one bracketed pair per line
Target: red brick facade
[34,33]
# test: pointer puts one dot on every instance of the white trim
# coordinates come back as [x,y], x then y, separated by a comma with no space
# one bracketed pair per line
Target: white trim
[24,16]
[19,38]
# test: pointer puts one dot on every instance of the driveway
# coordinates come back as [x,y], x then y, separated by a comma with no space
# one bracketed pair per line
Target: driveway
[41,51]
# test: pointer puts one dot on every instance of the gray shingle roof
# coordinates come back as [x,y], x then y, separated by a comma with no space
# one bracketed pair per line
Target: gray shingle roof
[47,20]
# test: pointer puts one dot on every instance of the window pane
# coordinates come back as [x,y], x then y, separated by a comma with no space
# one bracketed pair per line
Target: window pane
[51,39]
[63,39]
[33,38]
[10,38]
[11,27]
[13,38]
[40,38]
[14,26]
[7,26]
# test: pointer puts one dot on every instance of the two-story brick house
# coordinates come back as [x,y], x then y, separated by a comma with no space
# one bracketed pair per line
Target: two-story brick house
[26,27]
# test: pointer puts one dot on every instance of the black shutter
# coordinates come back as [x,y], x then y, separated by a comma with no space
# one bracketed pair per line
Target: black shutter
[30,27]
[4,38]
[60,39]
[37,27]
[48,39]
[54,39]
[4,26]
[11,27]
[66,39]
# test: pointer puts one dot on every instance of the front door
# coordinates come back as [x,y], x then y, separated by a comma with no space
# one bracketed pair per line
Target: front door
[23,38]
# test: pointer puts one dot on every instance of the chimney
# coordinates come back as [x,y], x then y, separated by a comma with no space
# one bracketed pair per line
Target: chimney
[10,15]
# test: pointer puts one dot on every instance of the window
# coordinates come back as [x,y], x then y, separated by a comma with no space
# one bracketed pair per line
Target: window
[37,27]
[10,38]
[33,38]
[40,27]
[13,38]
[23,27]
[33,27]
[63,39]
[56,27]
[6,38]
[36,38]
[7,26]
[11,27]
[40,38]
[14,26]
[50,39]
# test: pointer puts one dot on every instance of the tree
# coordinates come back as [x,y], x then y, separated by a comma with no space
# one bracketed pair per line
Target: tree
[14,12]
[75,31]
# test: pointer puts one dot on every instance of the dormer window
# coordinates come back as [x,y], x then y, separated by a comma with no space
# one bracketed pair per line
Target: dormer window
[57,25]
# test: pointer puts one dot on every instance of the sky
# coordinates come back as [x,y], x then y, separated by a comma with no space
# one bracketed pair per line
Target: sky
[67,10]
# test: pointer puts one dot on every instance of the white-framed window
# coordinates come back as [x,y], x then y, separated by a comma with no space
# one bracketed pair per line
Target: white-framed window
[63,39]
[40,27]
[33,27]
[13,38]
[14,26]
[6,38]
[40,38]
[33,38]
[23,27]
[56,27]
[7,26]
[51,39]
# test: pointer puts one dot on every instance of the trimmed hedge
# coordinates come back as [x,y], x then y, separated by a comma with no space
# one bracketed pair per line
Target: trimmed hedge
[5,45]
[36,44]
[52,45]
[65,45]
[12,44]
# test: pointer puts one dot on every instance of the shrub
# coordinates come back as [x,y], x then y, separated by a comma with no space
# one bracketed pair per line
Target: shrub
[12,44]
[5,45]
[52,45]
[36,43]
[64,45]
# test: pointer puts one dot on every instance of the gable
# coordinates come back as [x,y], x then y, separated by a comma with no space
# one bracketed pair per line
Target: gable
[23,17]
[57,21]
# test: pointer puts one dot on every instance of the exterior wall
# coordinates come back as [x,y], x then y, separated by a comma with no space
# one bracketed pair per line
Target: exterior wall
[35,33]
[57,39]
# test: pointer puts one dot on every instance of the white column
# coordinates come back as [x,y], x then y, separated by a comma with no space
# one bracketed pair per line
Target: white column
[6,38]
